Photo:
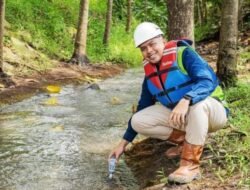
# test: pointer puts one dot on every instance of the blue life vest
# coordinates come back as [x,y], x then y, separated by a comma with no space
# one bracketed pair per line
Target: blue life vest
[169,82]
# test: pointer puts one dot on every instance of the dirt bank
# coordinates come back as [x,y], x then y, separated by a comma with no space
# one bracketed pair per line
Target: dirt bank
[25,86]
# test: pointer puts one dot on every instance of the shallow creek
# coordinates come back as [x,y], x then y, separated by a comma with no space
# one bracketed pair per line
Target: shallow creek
[61,141]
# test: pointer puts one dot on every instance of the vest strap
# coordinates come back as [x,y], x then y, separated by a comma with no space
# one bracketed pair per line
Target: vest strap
[165,92]
[161,72]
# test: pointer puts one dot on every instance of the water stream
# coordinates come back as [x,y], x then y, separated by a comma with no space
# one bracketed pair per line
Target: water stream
[61,141]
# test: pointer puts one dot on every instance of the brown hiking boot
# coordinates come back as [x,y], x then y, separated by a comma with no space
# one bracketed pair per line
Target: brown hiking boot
[174,151]
[178,138]
[189,169]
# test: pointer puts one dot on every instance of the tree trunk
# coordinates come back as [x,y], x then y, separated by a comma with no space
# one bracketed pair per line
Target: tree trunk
[129,15]
[180,19]
[204,5]
[108,22]
[227,58]
[199,12]
[79,56]
[4,78]
[240,15]
[2,15]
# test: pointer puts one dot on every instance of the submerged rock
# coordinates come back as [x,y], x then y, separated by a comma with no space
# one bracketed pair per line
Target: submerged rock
[94,86]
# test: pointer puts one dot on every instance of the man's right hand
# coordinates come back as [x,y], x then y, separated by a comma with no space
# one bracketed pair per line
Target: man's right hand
[118,151]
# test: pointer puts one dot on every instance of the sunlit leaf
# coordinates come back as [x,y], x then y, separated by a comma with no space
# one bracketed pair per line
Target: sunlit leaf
[53,89]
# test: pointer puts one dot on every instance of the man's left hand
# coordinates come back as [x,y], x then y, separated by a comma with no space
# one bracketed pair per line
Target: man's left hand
[178,114]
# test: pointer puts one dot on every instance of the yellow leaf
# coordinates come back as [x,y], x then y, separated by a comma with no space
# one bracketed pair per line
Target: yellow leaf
[115,101]
[53,89]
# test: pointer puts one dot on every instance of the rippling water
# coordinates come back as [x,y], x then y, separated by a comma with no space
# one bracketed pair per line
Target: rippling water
[65,146]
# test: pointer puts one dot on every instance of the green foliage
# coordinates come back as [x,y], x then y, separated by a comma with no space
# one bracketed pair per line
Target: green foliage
[50,26]
[152,11]
[210,24]
[205,31]
[121,48]
[238,98]
[231,157]
[97,6]
[47,21]
[244,56]
[120,9]
[232,153]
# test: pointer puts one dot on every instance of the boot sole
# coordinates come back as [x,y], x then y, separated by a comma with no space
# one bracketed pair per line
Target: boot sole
[176,180]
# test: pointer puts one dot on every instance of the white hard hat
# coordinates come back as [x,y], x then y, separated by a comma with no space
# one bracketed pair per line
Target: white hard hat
[146,31]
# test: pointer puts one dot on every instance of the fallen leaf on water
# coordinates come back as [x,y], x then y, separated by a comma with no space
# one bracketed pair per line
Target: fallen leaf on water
[115,101]
[57,128]
[53,89]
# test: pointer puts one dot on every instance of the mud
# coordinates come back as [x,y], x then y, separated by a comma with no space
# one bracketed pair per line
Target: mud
[26,86]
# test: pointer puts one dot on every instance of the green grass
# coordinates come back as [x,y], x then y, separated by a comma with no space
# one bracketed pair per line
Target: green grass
[47,22]
[238,98]
[232,144]
[122,48]
[50,27]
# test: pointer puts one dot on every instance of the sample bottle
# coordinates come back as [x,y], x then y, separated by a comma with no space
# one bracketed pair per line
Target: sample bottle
[112,163]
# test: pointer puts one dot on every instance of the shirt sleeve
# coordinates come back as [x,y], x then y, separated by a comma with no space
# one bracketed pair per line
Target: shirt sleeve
[146,100]
[204,78]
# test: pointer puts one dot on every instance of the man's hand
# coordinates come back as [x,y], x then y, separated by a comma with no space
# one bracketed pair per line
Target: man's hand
[178,114]
[118,151]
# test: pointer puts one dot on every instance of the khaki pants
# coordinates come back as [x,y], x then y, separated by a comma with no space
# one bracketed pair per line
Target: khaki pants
[206,116]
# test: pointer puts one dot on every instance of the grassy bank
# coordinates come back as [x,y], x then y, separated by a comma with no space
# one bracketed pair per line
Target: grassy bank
[236,159]
[50,26]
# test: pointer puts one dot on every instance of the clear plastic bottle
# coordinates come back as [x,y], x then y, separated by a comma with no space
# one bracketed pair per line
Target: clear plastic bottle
[112,163]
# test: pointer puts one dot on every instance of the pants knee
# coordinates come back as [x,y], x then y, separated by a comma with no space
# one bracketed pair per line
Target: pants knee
[136,123]
[197,127]
[199,108]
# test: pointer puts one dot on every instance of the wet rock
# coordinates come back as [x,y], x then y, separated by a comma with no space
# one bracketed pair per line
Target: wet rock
[94,86]
[115,101]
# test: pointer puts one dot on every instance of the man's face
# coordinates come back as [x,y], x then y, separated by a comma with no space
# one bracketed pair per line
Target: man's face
[152,50]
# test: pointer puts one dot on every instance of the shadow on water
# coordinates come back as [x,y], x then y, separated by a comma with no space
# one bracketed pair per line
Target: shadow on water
[61,141]
[148,162]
